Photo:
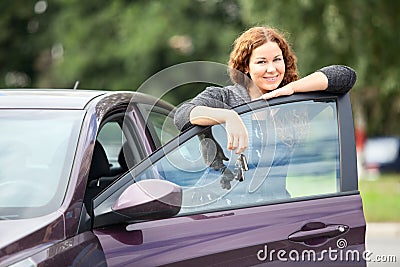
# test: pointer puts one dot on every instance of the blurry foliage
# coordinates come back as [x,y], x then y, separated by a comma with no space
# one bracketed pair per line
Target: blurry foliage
[119,44]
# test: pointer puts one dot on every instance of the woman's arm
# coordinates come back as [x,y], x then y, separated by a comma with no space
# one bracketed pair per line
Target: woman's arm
[235,129]
[336,78]
[205,116]
[210,108]
[211,97]
[340,78]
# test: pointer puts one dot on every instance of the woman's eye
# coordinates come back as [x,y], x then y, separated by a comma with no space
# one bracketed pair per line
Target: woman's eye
[277,59]
[261,62]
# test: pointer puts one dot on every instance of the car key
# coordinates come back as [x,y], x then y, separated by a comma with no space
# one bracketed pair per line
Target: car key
[241,167]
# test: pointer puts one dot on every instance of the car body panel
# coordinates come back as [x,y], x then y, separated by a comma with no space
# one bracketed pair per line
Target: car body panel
[231,237]
[42,232]
[52,99]
[80,250]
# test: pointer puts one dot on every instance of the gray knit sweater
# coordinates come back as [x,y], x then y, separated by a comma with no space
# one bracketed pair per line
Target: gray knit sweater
[340,80]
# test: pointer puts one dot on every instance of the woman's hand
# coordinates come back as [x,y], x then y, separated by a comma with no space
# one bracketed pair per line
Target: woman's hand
[236,131]
[238,138]
[285,90]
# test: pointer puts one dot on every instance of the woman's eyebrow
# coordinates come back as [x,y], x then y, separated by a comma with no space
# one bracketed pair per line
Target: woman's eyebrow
[279,55]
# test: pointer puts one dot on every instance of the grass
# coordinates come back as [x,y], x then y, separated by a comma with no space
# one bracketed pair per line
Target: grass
[381,198]
[380,195]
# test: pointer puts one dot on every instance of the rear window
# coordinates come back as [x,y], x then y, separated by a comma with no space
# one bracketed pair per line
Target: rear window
[381,150]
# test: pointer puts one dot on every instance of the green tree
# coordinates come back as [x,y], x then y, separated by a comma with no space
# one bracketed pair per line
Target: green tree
[119,44]
[358,33]
[22,40]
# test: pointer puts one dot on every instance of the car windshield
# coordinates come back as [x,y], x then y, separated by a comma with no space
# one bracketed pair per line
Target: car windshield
[37,149]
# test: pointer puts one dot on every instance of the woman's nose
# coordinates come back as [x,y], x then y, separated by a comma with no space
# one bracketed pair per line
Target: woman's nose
[271,67]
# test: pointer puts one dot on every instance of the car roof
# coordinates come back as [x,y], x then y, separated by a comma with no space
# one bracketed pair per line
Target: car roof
[55,98]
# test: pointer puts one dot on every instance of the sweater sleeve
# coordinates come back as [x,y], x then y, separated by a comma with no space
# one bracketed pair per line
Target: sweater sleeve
[340,78]
[214,97]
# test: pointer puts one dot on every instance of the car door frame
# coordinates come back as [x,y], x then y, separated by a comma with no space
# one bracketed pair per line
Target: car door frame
[345,203]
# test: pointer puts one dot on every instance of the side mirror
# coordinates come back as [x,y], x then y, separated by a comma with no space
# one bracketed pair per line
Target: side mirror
[149,199]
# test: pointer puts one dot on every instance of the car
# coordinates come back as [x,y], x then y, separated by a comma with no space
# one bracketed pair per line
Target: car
[104,178]
[382,155]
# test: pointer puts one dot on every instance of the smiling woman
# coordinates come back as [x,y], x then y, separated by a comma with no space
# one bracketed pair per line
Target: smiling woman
[261,65]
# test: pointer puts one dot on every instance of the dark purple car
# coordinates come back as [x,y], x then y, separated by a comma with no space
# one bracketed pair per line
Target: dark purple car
[94,178]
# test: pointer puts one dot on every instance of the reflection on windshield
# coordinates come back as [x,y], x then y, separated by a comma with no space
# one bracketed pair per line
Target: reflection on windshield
[36,157]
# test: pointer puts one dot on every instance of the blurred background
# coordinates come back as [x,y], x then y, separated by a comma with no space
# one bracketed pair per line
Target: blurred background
[119,44]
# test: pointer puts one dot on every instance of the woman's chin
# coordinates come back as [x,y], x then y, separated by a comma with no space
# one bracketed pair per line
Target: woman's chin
[268,89]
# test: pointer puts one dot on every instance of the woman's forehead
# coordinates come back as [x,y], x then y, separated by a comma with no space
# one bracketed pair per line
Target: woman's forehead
[268,49]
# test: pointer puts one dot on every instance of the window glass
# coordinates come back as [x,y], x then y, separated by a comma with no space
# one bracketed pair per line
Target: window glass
[160,122]
[293,152]
[112,138]
[381,150]
[115,151]
[164,127]
[37,150]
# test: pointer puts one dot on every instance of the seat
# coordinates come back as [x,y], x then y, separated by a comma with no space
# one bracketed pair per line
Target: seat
[100,165]
[126,158]
[99,168]
[122,160]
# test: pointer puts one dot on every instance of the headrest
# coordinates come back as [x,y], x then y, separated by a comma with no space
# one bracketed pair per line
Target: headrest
[125,157]
[100,166]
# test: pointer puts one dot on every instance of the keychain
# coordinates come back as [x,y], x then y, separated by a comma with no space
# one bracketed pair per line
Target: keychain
[240,167]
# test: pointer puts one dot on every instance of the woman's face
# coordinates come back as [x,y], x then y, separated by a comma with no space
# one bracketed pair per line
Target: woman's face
[267,67]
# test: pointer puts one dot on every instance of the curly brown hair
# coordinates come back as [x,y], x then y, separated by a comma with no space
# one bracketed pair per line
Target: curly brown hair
[250,40]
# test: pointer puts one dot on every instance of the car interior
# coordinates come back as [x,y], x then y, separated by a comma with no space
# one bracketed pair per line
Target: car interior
[110,159]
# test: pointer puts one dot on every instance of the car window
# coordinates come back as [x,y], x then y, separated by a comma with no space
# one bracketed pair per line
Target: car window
[293,152]
[112,139]
[37,150]
[381,150]
[116,149]
[160,122]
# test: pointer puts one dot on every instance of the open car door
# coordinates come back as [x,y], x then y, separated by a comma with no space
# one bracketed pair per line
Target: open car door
[295,202]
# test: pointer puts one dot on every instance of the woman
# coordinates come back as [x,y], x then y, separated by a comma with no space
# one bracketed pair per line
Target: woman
[262,65]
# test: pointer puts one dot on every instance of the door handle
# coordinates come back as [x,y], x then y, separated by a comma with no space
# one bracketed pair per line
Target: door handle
[324,231]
